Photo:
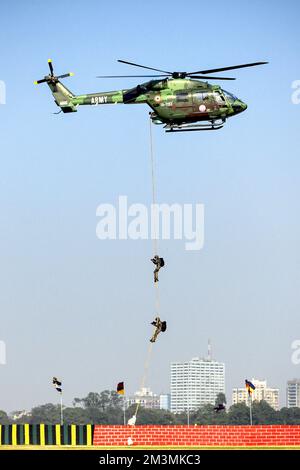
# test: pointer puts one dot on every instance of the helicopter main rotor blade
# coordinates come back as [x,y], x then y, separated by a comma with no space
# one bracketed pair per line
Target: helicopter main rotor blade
[232,67]
[212,78]
[129,76]
[143,66]
[50,67]
[37,82]
[65,75]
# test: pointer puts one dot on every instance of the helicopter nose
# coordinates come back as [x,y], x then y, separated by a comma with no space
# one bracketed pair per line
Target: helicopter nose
[239,106]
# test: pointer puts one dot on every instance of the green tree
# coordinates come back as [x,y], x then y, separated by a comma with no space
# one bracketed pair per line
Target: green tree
[181,418]
[76,416]
[207,415]
[92,400]
[101,401]
[238,414]
[97,416]
[289,415]
[221,399]
[4,419]
[263,413]
[105,407]
[152,416]
[48,414]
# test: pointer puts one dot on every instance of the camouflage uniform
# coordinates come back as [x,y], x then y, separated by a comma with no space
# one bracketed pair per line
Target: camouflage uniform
[159,326]
[159,262]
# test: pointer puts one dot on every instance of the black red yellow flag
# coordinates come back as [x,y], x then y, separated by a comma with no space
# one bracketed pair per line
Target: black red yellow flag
[249,386]
[120,388]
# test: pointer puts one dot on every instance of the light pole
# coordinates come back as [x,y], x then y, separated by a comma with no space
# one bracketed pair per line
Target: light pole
[124,410]
[61,409]
[58,386]
[250,407]
[250,389]
[188,398]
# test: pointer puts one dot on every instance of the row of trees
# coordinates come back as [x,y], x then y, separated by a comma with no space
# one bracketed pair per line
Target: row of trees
[107,408]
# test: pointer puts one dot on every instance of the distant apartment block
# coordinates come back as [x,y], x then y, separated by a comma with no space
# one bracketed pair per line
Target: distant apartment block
[146,398]
[195,383]
[293,393]
[165,402]
[261,392]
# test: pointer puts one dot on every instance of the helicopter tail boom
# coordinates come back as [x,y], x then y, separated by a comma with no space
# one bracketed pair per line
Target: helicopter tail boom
[63,97]
[95,99]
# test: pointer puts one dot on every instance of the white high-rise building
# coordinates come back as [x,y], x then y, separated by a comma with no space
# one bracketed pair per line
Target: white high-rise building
[293,393]
[196,383]
[261,392]
[145,397]
[165,401]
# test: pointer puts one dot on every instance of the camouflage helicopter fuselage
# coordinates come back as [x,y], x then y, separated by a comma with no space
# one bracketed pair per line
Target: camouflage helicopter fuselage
[179,100]
[174,102]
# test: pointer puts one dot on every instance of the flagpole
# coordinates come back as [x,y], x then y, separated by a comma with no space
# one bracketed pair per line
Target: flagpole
[124,409]
[250,388]
[188,400]
[61,410]
[121,391]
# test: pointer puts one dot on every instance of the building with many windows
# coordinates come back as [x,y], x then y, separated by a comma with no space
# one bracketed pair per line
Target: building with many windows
[293,393]
[261,392]
[165,402]
[146,398]
[195,383]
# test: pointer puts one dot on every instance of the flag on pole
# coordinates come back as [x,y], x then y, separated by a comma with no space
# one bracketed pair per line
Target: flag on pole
[120,388]
[57,384]
[249,386]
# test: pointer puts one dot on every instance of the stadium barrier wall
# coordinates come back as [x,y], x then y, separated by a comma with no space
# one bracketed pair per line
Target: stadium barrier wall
[198,436]
[150,436]
[46,434]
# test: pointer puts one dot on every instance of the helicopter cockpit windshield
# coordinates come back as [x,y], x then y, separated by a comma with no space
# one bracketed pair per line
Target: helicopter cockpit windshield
[230,96]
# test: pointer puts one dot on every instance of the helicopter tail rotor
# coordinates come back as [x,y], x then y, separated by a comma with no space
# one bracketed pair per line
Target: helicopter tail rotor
[51,78]
[62,96]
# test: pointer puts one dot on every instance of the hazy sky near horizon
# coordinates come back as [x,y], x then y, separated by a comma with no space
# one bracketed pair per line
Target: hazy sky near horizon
[79,308]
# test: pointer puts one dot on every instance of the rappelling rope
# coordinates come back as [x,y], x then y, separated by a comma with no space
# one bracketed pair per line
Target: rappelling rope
[153,219]
[143,381]
[146,368]
[154,233]
[155,252]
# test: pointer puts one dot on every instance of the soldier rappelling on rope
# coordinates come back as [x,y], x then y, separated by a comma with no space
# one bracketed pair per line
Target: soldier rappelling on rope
[159,263]
[160,326]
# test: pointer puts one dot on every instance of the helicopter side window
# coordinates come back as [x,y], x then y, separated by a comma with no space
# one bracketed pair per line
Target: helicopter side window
[219,98]
[182,97]
[201,96]
[198,96]
[230,96]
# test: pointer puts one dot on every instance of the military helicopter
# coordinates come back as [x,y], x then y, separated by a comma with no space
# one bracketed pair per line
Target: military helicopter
[179,100]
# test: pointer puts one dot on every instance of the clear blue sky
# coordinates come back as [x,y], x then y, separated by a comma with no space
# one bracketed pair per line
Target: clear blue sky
[79,308]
